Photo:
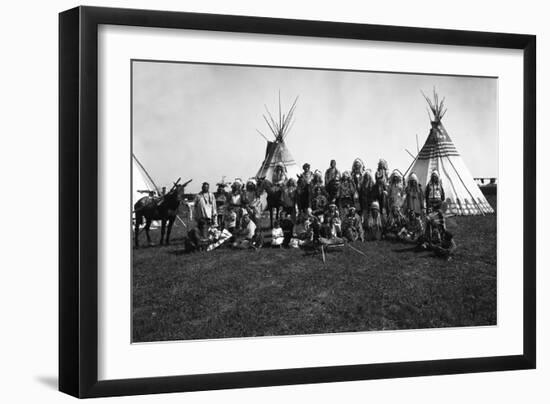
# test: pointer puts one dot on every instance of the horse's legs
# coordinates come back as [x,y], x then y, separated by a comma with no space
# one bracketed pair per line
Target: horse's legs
[169,229]
[271,216]
[162,230]
[147,226]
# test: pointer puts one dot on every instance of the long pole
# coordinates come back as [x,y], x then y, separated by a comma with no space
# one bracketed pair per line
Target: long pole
[146,173]
[460,178]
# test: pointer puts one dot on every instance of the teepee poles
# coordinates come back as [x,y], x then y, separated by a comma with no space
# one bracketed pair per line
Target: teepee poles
[465,187]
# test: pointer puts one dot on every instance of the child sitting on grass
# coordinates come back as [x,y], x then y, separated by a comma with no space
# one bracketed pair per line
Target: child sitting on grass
[277,235]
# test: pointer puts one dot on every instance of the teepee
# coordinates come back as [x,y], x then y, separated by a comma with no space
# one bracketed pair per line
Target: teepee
[276,151]
[142,183]
[462,195]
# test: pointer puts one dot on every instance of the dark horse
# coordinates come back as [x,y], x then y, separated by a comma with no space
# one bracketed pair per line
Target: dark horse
[274,197]
[164,209]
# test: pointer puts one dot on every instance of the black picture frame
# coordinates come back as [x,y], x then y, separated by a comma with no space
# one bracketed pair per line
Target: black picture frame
[78,207]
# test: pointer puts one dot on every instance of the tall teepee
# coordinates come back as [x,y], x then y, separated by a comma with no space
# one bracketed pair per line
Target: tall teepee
[462,195]
[276,151]
[142,183]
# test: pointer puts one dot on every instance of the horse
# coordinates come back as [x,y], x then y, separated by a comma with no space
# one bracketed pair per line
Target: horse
[164,209]
[274,197]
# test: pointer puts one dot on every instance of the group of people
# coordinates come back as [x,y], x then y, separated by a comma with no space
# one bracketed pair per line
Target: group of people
[355,205]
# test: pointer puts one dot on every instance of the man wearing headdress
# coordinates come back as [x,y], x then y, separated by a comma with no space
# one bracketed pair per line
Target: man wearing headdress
[381,174]
[395,190]
[395,222]
[279,176]
[357,171]
[435,195]
[346,193]
[414,197]
[205,205]
[366,193]
[236,198]
[222,202]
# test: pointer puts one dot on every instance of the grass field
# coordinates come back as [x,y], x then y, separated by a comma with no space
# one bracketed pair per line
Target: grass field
[227,293]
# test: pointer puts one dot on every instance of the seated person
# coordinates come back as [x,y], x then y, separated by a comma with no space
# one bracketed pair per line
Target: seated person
[198,238]
[432,234]
[373,223]
[288,227]
[313,232]
[352,228]
[328,234]
[277,235]
[257,240]
[333,217]
[244,236]
[395,222]
[230,219]
[413,230]
[447,246]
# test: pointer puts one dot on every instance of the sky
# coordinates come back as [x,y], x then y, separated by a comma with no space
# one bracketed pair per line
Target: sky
[199,121]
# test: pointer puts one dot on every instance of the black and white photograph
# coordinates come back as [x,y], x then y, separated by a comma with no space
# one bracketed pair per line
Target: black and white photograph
[274,201]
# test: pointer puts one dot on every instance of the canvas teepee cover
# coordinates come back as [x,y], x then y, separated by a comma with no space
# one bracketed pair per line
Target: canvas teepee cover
[141,181]
[462,195]
[276,150]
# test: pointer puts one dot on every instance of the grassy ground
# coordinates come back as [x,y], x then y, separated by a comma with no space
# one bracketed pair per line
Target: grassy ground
[228,293]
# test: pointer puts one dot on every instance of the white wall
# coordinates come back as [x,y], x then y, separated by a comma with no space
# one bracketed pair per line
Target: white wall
[28,162]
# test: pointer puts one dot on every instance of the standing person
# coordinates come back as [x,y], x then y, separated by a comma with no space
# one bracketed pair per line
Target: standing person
[435,195]
[357,172]
[366,194]
[305,179]
[346,193]
[332,181]
[222,202]
[236,198]
[395,190]
[205,205]
[332,173]
[414,197]
[163,191]
[289,198]
[382,172]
